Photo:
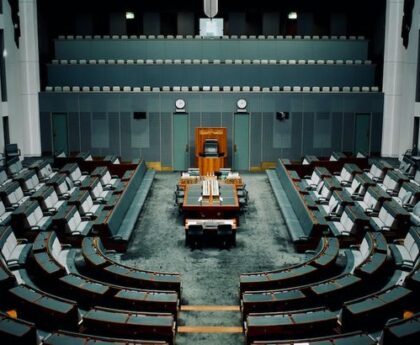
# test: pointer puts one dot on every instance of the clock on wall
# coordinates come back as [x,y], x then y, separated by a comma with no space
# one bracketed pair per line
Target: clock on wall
[241,104]
[180,104]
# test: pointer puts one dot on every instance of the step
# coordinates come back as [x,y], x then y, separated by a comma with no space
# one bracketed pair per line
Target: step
[210,308]
[209,329]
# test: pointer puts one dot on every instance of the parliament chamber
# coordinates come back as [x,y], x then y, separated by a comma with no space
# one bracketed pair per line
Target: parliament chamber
[209,172]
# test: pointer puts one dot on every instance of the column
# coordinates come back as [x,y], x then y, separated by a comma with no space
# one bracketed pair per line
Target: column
[29,64]
[393,61]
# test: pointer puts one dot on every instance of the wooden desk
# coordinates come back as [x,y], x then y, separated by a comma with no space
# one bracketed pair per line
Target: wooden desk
[226,206]
[209,165]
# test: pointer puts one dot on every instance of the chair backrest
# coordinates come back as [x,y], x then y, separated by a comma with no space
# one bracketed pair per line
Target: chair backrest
[412,243]
[87,203]
[97,189]
[8,242]
[347,222]
[11,149]
[211,148]
[3,175]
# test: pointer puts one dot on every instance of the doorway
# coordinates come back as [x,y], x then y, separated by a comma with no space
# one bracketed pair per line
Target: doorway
[180,142]
[241,142]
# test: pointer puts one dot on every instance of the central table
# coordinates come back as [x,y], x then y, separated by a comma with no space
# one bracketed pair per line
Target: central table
[225,205]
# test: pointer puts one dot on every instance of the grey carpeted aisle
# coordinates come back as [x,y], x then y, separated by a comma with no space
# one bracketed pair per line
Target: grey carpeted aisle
[210,275]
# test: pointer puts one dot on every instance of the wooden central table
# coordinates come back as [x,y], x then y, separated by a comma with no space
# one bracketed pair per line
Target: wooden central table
[224,206]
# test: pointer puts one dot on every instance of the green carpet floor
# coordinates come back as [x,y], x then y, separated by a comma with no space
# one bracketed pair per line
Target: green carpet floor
[210,276]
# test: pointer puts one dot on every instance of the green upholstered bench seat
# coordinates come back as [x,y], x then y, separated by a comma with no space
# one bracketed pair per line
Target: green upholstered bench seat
[286,326]
[143,279]
[7,279]
[339,288]
[371,312]
[17,332]
[264,301]
[83,288]
[280,279]
[374,265]
[127,225]
[329,255]
[292,221]
[159,326]
[90,255]
[48,265]
[41,242]
[160,301]
[353,338]
[401,331]
[44,310]
[68,338]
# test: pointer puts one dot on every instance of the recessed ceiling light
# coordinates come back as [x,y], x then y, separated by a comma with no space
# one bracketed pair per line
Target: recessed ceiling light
[129,15]
[292,15]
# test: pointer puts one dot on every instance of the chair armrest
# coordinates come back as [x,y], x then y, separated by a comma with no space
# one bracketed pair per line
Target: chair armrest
[48,213]
[9,209]
[115,176]
[55,169]
[36,227]
[22,240]
[409,208]
[85,218]
[408,262]
[385,228]
[354,246]
[85,173]
[373,214]
[398,241]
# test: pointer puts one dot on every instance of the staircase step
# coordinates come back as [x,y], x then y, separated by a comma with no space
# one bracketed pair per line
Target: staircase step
[210,308]
[209,329]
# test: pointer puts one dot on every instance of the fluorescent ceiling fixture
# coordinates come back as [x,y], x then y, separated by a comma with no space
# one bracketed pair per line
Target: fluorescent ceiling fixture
[129,15]
[292,15]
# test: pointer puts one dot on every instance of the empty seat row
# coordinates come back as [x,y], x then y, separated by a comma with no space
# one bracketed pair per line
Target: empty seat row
[214,62]
[260,37]
[211,88]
